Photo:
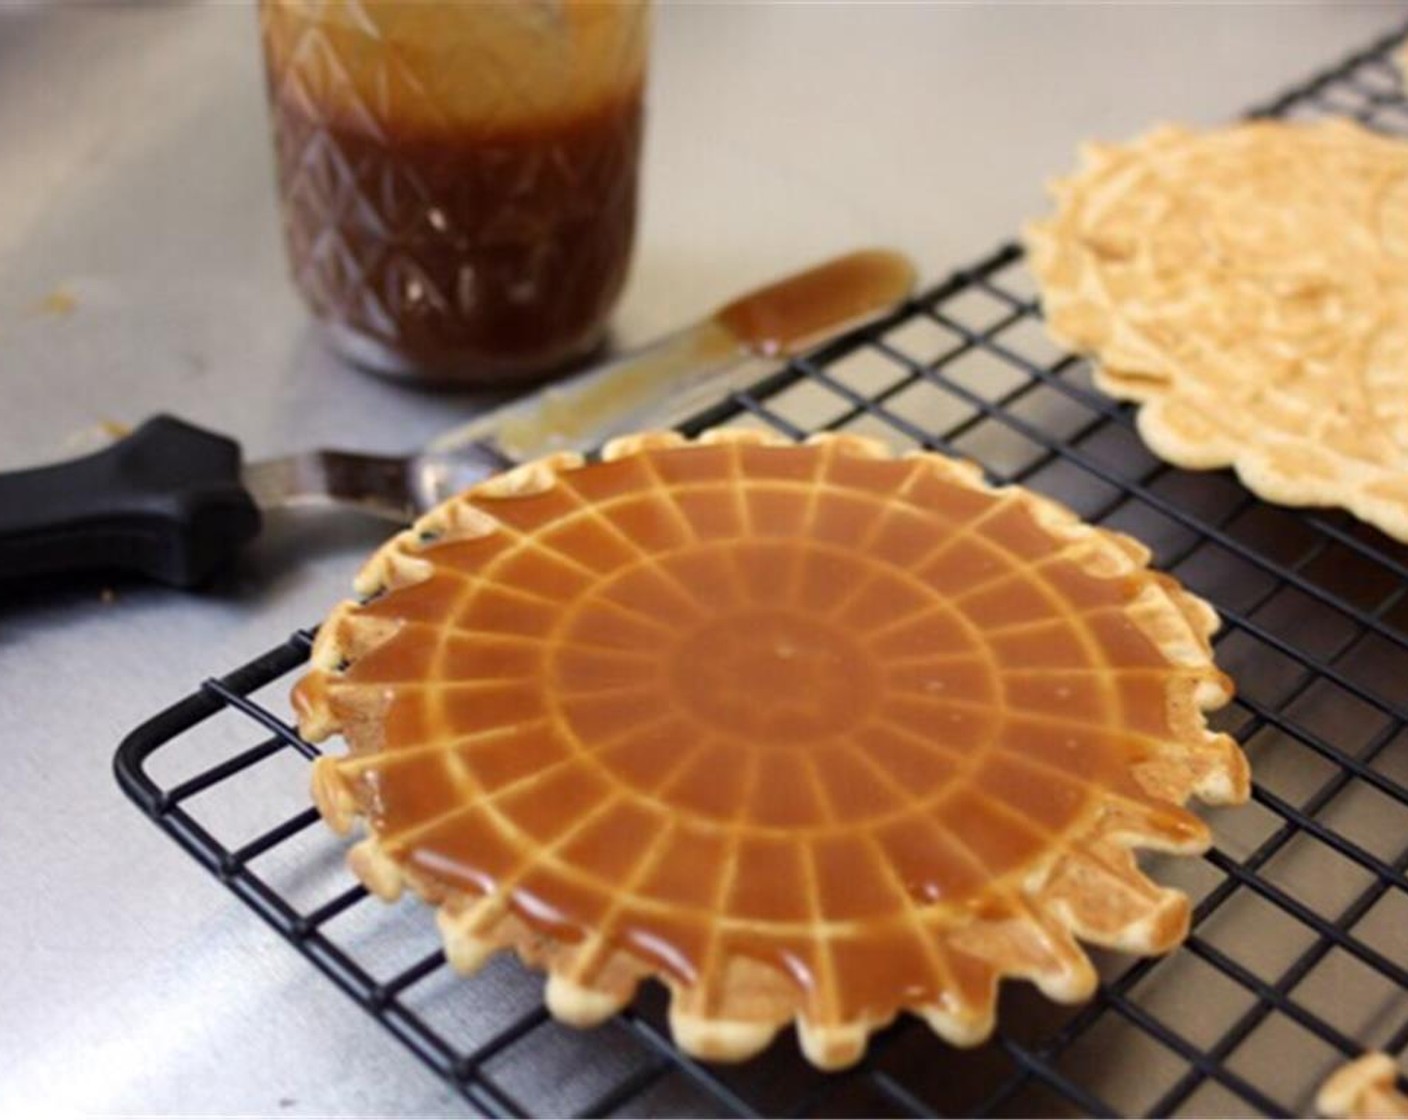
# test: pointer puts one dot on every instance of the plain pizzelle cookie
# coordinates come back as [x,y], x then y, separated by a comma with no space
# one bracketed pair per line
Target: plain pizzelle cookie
[1364,1089]
[806,732]
[1248,287]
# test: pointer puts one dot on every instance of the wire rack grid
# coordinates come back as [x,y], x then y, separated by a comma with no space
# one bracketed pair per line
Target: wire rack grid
[1298,959]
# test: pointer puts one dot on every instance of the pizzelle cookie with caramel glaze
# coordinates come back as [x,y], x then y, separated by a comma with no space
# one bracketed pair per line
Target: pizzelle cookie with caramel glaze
[806,732]
[1248,287]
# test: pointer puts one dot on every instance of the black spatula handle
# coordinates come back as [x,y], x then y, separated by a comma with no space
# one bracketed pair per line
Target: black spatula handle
[165,501]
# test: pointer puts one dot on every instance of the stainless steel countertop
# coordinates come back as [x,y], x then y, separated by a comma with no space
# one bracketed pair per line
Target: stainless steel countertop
[135,175]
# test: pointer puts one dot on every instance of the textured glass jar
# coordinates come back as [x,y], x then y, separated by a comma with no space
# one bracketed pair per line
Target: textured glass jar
[458,180]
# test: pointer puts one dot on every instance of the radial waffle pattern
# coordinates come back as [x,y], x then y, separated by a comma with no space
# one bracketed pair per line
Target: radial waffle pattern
[805,731]
[1249,286]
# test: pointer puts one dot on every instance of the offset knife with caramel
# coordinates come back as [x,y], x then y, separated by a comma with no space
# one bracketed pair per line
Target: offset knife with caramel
[175,502]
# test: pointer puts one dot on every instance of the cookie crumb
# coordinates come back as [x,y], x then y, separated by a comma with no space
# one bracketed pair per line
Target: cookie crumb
[60,301]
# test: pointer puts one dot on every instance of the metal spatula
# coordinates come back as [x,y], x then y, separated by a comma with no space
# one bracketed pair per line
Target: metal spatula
[174,502]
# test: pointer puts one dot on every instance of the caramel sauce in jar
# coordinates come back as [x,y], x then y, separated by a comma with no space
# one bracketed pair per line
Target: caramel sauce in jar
[458,182]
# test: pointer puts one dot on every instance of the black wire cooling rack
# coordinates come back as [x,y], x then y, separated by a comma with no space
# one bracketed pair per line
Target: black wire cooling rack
[1298,958]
